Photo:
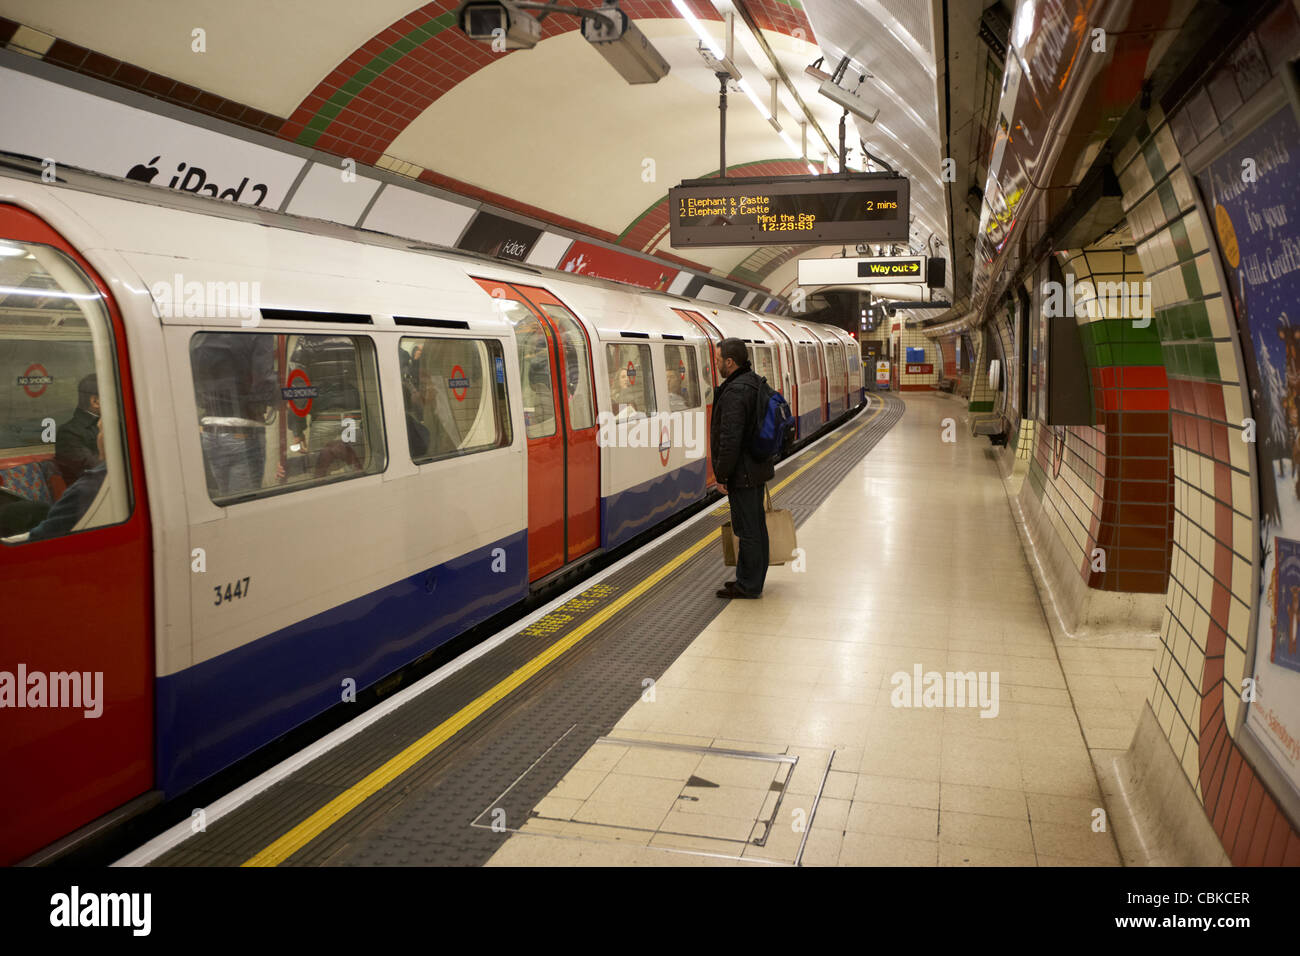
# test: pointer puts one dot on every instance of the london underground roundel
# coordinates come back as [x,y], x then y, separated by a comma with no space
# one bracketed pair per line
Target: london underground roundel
[458,383]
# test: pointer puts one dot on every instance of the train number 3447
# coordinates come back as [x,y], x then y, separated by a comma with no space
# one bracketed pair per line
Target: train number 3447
[236,589]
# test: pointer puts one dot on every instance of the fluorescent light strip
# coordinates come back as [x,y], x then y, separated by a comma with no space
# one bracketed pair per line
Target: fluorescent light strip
[753,98]
[705,37]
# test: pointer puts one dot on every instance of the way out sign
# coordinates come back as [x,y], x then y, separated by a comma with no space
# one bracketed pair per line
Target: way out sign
[863,271]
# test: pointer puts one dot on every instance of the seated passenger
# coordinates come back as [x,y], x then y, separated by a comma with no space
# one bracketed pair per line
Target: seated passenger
[676,400]
[76,501]
[74,441]
[621,393]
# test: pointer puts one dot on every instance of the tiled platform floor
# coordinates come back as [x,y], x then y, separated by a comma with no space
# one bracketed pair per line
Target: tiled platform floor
[914,560]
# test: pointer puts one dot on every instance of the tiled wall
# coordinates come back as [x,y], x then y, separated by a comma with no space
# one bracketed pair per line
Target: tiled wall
[1105,489]
[1195,692]
[947,348]
[982,397]
[906,338]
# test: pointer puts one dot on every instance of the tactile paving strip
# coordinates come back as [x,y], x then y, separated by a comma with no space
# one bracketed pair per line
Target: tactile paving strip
[424,817]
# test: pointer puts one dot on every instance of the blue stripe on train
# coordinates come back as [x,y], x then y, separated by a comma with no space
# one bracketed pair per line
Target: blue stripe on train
[627,513]
[214,713]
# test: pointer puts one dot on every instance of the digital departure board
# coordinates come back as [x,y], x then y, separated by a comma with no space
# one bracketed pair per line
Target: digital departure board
[870,207]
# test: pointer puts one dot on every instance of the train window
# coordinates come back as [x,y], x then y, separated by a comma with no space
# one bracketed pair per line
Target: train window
[454,392]
[682,377]
[281,411]
[62,454]
[814,367]
[762,357]
[577,366]
[706,361]
[533,345]
[836,356]
[630,388]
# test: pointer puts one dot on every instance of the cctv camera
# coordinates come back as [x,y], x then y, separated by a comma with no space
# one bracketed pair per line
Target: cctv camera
[850,101]
[486,20]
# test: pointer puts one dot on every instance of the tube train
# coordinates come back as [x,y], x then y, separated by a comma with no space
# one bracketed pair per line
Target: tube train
[248,458]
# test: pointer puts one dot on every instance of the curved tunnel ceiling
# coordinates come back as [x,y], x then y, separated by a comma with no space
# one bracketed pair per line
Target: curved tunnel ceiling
[553,128]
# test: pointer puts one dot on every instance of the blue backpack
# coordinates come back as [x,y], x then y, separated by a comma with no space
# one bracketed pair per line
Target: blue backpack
[774,430]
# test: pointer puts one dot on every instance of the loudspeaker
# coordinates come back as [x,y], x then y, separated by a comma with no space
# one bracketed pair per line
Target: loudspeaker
[935,272]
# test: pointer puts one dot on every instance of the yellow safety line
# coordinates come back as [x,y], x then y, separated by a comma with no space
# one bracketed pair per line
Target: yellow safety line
[334,811]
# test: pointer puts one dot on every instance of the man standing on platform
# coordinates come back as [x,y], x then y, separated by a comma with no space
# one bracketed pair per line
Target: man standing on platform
[740,476]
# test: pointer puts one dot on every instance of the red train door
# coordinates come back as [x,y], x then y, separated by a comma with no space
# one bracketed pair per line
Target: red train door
[582,454]
[76,647]
[560,425]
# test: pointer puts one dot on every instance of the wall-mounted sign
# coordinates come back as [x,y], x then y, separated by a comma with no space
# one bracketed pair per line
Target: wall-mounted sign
[871,207]
[920,368]
[859,271]
[1257,225]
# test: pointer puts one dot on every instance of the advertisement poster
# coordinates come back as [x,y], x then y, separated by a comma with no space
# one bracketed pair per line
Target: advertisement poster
[1252,193]
[499,237]
[44,119]
[586,259]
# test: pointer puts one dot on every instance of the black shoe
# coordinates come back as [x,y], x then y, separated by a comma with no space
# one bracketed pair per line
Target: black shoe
[732,590]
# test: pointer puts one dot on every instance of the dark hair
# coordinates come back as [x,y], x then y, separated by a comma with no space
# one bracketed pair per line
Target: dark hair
[86,388]
[734,349]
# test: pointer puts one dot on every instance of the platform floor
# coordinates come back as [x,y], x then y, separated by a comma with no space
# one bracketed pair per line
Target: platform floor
[775,737]
[640,720]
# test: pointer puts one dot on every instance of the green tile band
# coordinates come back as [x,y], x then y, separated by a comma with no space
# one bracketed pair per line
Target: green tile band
[365,75]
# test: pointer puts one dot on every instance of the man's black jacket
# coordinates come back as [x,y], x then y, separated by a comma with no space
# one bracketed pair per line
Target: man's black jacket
[76,445]
[735,414]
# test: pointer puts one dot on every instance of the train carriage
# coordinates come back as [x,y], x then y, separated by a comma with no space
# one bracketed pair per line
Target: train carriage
[318,454]
[836,371]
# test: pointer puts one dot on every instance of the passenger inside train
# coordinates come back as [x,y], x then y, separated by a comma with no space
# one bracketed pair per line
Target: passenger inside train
[259,436]
[76,501]
[53,343]
[77,439]
[630,392]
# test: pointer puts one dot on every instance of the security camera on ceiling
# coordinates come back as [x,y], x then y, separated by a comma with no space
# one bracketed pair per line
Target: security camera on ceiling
[506,25]
[848,100]
[831,89]
[500,21]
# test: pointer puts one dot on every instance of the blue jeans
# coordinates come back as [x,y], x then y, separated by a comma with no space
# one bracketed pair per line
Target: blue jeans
[749,525]
[236,462]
